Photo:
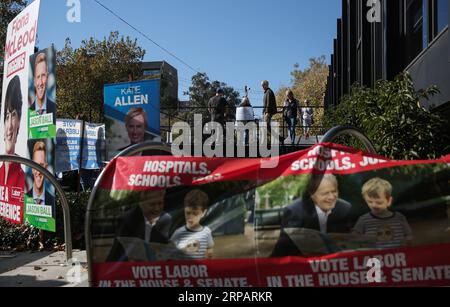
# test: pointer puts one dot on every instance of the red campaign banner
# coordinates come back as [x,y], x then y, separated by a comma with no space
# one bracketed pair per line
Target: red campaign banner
[144,173]
[12,194]
[420,266]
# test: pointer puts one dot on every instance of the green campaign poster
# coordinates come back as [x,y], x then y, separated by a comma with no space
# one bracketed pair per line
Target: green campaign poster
[39,215]
[39,197]
[41,126]
[42,95]
[40,201]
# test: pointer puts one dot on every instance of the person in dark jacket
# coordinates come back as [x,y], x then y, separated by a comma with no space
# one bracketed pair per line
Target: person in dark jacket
[42,104]
[291,107]
[147,222]
[270,105]
[320,210]
[217,107]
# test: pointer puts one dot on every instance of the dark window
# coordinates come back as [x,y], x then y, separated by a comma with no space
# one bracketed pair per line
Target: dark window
[415,34]
[359,52]
[441,14]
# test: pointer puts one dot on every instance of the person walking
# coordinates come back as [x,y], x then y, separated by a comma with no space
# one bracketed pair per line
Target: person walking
[291,113]
[307,117]
[270,105]
[217,107]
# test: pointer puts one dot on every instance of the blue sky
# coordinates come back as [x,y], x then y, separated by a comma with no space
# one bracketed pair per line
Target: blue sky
[237,42]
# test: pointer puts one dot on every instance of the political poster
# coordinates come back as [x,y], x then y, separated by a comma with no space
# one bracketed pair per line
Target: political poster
[328,216]
[93,146]
[40,201]
[132,112]
[68,145]
[20,42]
[42,95]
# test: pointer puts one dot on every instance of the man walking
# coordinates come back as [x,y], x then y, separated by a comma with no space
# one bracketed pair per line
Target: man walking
[270,105]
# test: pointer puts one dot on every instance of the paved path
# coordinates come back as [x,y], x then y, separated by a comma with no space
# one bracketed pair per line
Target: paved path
[43,269]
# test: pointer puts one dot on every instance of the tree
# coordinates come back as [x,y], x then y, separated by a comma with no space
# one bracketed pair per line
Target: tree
[8,10]
[308,84]
[391,116]
[202,90]
[82,73]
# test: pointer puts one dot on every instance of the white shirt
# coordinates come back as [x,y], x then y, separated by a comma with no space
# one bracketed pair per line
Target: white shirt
[44,106]
[323,219]
[148,228]
[307,113]
[40,198]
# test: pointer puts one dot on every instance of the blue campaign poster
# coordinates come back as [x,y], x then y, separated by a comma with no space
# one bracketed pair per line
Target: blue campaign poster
[68,141]
[132,112]
[93,146]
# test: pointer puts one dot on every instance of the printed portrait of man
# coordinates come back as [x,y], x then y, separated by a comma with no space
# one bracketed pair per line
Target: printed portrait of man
[42,104]
[38,192]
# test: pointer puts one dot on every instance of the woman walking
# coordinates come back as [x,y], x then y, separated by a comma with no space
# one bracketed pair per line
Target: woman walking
[291,112]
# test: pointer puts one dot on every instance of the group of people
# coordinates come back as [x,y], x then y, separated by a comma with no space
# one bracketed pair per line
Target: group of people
[150,223]
[292,111]
[322,210]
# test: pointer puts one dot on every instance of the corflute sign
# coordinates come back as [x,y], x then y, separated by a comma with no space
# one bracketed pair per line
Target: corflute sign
[132,111]
[20,42]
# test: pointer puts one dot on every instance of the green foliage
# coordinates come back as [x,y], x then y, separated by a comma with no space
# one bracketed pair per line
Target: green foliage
[203,89]
[391,116]
[282,191]
[19,237]
[83,72]
[78,205]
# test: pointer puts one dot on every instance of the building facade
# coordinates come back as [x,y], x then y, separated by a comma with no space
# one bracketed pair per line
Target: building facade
[378,39]
[169,80]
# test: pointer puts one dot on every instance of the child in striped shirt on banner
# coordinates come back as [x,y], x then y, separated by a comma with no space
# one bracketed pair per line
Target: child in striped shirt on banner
[194,241]
[388,228]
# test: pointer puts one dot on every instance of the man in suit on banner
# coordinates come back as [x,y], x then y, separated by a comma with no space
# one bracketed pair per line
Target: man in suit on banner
[42,104]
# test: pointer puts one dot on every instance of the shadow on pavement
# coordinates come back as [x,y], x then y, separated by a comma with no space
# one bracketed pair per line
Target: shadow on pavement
[20,259]
[29,281]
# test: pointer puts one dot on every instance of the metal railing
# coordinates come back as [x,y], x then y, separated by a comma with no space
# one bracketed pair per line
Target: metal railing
[176,114]
[64,203]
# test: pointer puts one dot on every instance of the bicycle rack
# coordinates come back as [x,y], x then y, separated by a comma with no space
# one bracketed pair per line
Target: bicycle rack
[64,203]
[338,131]
[132,151]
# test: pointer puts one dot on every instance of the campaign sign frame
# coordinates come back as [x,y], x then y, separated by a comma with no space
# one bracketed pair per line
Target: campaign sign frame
[311,222]
[42,95]
[132,112]
[68,145]
[20,42]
